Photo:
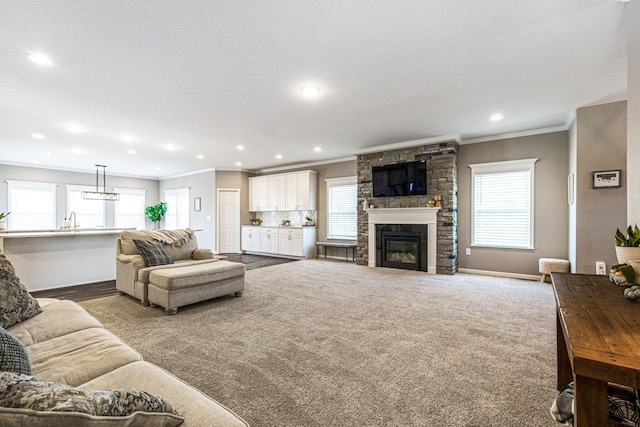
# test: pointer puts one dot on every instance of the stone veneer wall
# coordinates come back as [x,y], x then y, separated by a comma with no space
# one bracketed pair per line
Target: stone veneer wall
[442,179]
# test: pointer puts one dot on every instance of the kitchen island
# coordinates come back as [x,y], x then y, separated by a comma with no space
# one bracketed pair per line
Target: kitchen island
[47,259]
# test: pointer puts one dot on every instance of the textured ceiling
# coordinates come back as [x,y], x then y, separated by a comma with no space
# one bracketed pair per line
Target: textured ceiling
[209,75]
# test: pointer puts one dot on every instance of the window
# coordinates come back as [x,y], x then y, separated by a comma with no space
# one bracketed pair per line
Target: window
[129,211]
[177,215]
[342,211]
[32,205]
[502,204]
[89,213]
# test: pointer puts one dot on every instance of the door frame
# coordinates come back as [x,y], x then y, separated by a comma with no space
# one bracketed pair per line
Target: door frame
[236,214]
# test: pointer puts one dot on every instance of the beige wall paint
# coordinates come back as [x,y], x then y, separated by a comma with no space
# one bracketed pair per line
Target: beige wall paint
[201,185]
[601,139]
[633,122]
[62,178]
[551,211]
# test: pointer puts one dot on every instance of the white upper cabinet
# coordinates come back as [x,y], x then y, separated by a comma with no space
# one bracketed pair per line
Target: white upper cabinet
[294,191]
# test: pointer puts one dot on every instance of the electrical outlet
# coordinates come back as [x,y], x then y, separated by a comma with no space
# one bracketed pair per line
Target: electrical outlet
[468,251]
[601,268]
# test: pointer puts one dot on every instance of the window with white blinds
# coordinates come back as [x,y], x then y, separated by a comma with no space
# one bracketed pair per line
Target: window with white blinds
[177,215]
[32,205]
[129,210]
[89,213]
[502,204]
[342,209]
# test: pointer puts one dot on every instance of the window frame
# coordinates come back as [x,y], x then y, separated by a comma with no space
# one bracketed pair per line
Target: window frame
[131,191]
[509,166]
[338,182]
[177,192]
[74,188]
[12,185]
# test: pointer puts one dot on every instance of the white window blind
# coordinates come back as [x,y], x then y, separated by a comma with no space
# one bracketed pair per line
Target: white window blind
[32,205]
[502,204]
[129,210]
[342,211]
[177,215]
[89,213]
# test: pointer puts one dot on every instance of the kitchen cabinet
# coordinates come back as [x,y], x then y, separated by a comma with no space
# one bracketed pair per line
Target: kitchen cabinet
[251,239]
[290,242]
[269,240]
[295,191]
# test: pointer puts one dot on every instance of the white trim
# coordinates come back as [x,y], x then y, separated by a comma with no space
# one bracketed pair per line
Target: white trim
[499,274]
[236,215]
[342,181]
[507,164]
[306,165]
[409,144]
[571,117]
[186,174]
[518,134]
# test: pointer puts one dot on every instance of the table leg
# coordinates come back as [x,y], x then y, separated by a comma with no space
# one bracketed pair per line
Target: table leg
[565,374]
[591,402]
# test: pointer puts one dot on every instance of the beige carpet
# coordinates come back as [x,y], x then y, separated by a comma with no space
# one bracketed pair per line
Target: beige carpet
[325,343]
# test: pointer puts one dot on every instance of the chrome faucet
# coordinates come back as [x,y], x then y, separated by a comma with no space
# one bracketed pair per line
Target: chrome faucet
[74,218]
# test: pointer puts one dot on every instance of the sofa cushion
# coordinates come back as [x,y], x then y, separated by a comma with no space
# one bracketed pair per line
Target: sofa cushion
[13,356]
[192,275]
[143,273]
[58,318]
[26,396]
[153,253]
[16,304]
[128,247]
[80,356]
[197,408]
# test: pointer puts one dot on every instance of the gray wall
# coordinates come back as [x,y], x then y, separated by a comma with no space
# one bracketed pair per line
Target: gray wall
[633,122]
[239,180]
[201,185]
[601,144]
[20,173]
[551,210]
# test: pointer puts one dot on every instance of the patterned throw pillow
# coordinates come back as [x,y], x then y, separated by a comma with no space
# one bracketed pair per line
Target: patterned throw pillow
[152,252]
[16,304]
[13,355]
[25,392]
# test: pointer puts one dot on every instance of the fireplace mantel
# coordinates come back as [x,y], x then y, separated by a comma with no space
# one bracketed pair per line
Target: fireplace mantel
[405,216]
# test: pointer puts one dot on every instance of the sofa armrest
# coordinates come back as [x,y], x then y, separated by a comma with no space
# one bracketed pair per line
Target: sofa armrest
[136,260]
[202,253]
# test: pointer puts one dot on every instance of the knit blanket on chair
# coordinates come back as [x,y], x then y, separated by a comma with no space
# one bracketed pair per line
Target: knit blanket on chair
[175,238]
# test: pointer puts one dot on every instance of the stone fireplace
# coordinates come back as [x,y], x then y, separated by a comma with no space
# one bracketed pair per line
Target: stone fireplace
[441,246]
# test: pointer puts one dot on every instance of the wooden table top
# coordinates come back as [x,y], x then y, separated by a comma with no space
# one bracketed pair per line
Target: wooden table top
[601,327]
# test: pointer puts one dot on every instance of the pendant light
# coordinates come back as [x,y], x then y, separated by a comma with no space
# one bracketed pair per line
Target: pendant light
[104,194]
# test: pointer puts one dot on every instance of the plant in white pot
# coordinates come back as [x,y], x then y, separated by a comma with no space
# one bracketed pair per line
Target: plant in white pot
[628,246]
[3,223]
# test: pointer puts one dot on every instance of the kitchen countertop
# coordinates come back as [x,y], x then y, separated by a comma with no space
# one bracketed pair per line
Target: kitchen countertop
[278,226]
[61,232]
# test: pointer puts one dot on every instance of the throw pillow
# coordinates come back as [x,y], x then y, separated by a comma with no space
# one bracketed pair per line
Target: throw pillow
[24,397]
[153,253]
[16,304]
[13,355]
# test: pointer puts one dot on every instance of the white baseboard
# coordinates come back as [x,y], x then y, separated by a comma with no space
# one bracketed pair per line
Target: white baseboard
[500,274]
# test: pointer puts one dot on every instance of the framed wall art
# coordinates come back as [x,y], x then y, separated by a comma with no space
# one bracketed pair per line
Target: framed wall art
[197,204]
[606,179]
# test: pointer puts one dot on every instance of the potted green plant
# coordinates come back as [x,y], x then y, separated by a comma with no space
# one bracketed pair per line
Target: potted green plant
[3,223]
[628,245]
[156,213]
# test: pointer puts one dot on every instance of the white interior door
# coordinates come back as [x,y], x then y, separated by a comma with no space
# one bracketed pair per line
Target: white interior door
[228,221]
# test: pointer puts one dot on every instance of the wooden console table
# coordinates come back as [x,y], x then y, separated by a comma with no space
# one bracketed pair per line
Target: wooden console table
[598,342]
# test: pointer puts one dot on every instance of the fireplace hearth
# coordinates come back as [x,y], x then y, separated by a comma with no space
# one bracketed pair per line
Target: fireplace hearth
[402,246]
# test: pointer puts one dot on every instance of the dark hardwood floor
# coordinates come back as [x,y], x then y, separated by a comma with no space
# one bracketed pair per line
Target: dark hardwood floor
[104,289]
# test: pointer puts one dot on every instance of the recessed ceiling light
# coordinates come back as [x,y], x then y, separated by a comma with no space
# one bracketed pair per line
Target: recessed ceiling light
[310,91]
[317,149]
[496,117]
[240,147]
[131,151]
[40,59]
[171,147]
[158,168]
[238,164]
[74,128]
[129,138]
[36,162]
[78,151]
[278,156]
[49,154]
[38,136]
[200,157]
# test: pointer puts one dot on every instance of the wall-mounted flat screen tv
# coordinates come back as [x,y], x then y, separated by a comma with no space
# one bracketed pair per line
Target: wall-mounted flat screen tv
[403,179]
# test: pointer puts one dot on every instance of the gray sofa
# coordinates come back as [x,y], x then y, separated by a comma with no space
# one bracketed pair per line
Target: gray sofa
[65,344]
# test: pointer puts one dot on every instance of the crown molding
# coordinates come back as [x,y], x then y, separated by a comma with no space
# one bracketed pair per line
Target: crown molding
[408,144]
[306,165]
[518,134]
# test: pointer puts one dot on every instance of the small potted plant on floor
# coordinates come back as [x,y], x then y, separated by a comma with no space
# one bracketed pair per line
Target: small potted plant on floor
[628,246]
[156,213]
[3,223]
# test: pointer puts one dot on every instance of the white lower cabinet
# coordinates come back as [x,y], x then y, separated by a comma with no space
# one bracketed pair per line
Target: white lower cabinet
[296,242]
